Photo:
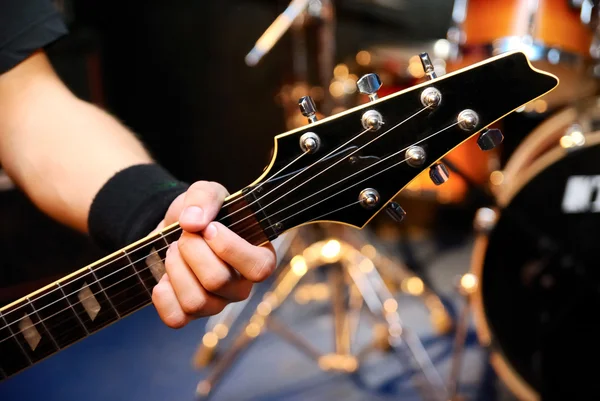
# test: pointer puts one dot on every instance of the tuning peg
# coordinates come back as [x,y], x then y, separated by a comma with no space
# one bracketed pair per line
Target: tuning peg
[489,138]
[395,211]
[369,84]
[427,65]
[439,174]
[308,108]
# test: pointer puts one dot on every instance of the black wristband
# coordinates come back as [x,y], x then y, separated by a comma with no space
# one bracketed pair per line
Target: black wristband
[131,204]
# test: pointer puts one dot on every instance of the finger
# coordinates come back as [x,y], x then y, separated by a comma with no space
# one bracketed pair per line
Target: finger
[193,298]
[166,304]
[213,273]
[175,210]
[256,263]
[172,213]
[202,202]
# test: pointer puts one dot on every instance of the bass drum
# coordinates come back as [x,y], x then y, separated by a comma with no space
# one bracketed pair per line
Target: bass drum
[536,260]
[566,126]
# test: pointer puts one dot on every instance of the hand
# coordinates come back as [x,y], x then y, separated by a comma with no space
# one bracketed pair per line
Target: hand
[209,266]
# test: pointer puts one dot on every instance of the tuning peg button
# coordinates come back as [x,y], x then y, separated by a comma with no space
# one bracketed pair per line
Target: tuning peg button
[439,174]
[395,211]
[308,108]
[489,138]
[369,84]
[427,65]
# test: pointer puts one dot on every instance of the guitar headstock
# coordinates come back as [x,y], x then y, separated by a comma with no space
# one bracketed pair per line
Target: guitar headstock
[346,168]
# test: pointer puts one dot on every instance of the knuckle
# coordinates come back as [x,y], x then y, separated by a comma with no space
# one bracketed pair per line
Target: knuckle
[193,305]
[224,249]
[263,268]
[199,186]
[175,320]
[215,281]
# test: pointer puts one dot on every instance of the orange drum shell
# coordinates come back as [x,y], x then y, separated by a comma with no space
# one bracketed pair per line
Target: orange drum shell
[555,24]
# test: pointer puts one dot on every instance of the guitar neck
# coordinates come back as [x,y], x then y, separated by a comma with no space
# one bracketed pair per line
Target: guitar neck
[90,299]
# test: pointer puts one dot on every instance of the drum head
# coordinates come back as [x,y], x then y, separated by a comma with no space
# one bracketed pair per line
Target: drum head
[540,277]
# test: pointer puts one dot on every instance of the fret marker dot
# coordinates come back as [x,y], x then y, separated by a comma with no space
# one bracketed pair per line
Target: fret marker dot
[89,301]
[27,328]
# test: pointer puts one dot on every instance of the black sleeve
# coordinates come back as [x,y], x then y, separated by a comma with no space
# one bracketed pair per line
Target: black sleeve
[25,27]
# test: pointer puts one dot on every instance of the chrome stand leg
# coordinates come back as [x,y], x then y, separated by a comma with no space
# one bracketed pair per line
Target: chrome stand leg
[381,303]
[398,276]
[466,286]
[349,271]
[261,317]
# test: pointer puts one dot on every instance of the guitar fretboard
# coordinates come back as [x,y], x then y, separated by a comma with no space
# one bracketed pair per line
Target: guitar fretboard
[62,313]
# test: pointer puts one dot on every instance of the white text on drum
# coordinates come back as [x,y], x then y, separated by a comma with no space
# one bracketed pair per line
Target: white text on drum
[581,194]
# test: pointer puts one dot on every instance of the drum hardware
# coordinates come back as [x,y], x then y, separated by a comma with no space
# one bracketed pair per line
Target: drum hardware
[567,128]
[557,36]
[350,273]
[550,267]
[465,286]
[307,20]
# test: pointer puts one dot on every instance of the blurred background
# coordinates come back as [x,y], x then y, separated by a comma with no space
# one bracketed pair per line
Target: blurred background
[458,270]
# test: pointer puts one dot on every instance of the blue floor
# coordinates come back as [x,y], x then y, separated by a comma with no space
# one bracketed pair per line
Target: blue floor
[139,358]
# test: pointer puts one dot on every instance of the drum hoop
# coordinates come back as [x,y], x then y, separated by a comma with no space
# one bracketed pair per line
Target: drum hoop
[535,51]
[514,165]
[498,360]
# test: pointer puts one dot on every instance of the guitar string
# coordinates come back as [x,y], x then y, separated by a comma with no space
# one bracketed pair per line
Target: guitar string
[296,175]
[231,214]
[179,228]
[336,183]
[156,252]
[269,180]
[126,254]
[324,170]
[71,305]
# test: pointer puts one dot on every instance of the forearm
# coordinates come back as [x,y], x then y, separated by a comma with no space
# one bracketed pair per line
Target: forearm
[59,149]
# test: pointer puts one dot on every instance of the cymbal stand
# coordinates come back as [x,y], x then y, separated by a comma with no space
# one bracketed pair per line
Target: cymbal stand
[219,326]
[348,270]
[467,284]
[312,28]
[396,274]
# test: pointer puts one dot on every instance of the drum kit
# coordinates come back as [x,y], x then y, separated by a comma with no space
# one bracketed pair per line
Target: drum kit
[532,288]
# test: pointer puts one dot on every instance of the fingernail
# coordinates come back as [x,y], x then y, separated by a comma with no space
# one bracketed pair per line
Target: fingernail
[192,214]
[210,232]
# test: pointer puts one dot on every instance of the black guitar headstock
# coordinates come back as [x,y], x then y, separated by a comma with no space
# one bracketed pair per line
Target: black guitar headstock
[346,168]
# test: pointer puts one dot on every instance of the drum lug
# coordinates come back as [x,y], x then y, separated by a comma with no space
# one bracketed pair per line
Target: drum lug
[489,138]
[485,220]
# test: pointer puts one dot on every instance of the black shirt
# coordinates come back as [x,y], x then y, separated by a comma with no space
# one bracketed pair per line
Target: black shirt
[25,27]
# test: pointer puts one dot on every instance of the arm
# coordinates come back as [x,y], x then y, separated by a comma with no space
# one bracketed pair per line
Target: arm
[63,151]
[60,150]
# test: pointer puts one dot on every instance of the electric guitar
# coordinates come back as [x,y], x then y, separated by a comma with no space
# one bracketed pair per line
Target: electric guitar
[344,169]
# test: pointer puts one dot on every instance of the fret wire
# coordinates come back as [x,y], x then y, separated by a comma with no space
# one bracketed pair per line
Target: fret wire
[138,274]
[105,294]
[73,308]
[137,306]
[151,240]
[16,339]
[41,321]
[165,241]
[102,290]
